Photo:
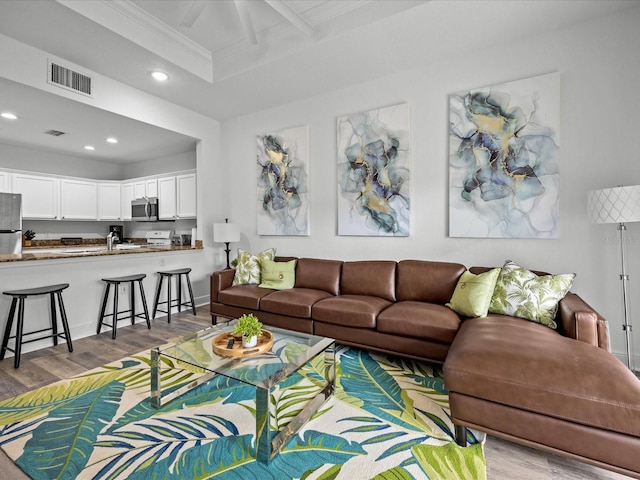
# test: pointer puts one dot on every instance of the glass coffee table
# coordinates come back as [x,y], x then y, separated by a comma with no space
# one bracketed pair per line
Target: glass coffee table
[265,371]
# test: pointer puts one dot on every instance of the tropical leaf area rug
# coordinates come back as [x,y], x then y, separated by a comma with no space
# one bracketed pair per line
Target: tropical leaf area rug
[388,419]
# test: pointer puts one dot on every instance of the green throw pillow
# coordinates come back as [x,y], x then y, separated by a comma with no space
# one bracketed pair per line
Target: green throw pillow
[248,266]
[521,293]
[278,275]
[472,295]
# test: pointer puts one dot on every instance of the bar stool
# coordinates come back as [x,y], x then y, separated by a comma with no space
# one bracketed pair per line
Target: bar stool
[18,298]
[116,281]
[175,302]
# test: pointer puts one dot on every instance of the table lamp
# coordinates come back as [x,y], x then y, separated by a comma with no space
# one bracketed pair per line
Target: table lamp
[226,233]
[618,205]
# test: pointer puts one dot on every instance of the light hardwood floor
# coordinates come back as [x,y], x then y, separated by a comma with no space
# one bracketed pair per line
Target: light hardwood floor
[505,460]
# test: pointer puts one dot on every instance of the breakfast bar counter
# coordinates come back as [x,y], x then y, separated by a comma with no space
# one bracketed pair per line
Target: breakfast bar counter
[57,253]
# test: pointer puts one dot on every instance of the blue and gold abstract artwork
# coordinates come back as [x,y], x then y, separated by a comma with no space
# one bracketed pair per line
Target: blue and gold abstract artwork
[373,172]
[503,160]
[283,204]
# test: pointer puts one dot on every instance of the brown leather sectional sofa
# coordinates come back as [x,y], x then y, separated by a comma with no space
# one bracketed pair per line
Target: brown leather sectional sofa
[556,390]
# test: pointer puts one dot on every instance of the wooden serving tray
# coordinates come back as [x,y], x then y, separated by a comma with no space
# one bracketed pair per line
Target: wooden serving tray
[219,344]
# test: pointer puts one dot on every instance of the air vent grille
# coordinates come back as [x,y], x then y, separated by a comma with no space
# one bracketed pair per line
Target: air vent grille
[55,133]
[69,79]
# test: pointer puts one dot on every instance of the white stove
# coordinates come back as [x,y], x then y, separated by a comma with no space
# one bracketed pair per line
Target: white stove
[159,237]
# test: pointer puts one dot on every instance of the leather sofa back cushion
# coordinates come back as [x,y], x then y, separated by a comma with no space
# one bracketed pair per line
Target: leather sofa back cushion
[424,281]
[376,278]
[319,274]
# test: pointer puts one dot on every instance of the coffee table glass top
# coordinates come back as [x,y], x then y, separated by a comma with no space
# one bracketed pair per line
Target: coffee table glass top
[290,351]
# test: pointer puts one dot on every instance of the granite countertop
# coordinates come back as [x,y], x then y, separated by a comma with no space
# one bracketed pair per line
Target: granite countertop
[89,250]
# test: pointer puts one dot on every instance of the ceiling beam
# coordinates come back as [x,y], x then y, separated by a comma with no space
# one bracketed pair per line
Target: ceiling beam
[195,10]
[245,19]
[292,17]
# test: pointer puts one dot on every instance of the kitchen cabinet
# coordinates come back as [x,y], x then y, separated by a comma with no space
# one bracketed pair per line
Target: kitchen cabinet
[109,199]
[151,187]
[126,195]
[167,198]
[5,182]
[78,200]
[40,195]
[186,196]
[139,189]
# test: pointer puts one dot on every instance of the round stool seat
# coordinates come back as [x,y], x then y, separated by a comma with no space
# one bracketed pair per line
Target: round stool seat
[37,290]
[128,278]
[179,271]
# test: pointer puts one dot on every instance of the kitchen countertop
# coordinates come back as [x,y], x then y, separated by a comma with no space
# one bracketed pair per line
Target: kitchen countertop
[78,251]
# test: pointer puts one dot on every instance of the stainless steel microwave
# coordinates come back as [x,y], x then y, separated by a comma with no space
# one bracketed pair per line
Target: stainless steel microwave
[144,209]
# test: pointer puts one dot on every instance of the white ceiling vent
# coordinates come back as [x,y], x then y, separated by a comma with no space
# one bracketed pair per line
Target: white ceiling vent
[66,78]
[55,133]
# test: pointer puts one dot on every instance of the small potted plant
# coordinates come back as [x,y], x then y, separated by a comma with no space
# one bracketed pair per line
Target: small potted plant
[250,328]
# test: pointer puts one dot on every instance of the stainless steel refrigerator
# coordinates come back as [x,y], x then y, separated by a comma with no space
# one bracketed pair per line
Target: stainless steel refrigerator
[10,223]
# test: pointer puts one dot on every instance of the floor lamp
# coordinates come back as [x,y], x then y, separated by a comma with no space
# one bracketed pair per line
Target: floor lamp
[226,233]
[619,205]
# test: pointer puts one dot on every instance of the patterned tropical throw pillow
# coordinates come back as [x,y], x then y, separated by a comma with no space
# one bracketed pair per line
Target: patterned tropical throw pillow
[521,293]
[248,266]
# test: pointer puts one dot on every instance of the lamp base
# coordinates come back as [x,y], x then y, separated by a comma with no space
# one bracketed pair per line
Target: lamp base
[227,250]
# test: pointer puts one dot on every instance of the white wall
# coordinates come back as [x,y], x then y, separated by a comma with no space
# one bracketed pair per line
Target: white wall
[599,68]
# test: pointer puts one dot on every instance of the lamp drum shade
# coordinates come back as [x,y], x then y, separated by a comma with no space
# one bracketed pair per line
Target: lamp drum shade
[614,205]
[226,232]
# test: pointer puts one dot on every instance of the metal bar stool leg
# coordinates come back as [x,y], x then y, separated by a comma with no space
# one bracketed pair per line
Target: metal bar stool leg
[7,328]
[155,302]
[193,304]
[54,318]
[144,304]
[179,283]
[65,323]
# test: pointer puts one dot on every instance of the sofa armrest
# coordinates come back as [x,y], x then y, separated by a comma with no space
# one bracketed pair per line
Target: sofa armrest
[219,281]
[578,320]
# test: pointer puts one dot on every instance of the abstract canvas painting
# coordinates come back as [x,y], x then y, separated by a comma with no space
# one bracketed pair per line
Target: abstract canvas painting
[283,202]
[373,172]
[503,160]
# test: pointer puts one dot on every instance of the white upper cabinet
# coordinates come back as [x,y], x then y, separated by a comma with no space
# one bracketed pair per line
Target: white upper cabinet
[78,200]
[151,187]
[5,182]
[186,196]
[167,198]
[109,199]
[126,195]
[139,189]
[40,196]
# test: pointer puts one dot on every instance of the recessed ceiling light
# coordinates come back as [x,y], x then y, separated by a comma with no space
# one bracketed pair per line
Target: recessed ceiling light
[9,115]
[159,76]
[112,140]
[89,147]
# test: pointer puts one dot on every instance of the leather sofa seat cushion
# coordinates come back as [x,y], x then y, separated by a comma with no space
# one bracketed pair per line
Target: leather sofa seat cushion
[319,274]
[349,310]
[247,296]
[376,278]
[296,302]
[420,320]
[424,281]
[530,367]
